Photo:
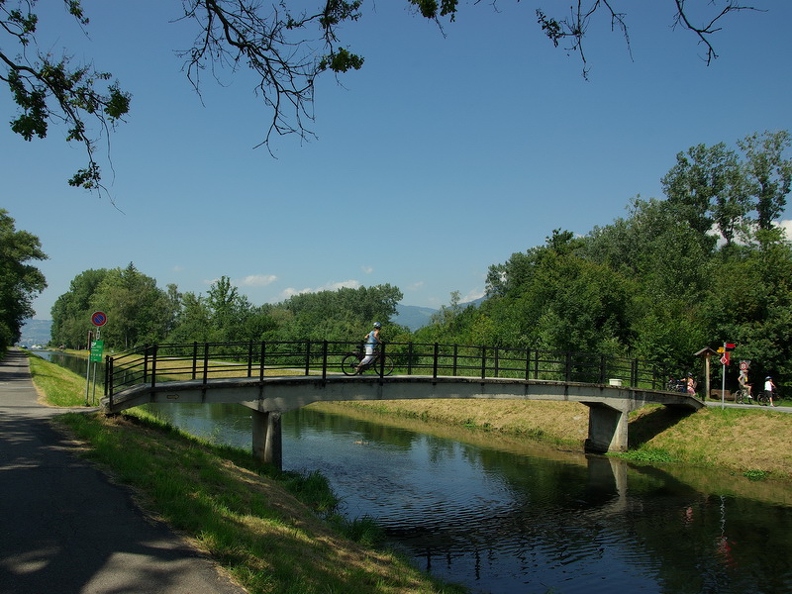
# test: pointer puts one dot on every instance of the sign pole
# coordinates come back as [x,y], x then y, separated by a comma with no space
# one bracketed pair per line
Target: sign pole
[88,369]
[723,379]
[98,319]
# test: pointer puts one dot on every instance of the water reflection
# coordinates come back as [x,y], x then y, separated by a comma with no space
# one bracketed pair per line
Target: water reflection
[503,522]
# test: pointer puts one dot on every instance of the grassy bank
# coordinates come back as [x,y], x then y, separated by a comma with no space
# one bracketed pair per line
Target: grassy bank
[754,442]
[272,532]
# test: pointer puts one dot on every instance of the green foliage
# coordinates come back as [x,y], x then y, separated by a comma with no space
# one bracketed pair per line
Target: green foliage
[755,475]
[20,281]
[656,284]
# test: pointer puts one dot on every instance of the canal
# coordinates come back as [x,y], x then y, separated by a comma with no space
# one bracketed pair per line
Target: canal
[503,519]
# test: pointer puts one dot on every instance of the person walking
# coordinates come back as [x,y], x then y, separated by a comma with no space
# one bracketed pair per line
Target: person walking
[372,343]
[769,388]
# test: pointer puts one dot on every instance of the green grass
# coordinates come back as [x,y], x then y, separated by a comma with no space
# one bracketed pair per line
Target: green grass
[273,532]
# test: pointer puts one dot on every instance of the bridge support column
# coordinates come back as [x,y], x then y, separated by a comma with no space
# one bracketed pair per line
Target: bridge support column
[608,429]
[267,438]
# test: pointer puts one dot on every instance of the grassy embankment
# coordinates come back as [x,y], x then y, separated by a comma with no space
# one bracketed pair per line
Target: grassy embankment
[272,532]
[753,442]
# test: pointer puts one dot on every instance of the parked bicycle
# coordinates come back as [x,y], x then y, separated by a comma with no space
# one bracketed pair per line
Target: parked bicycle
[350,362]
[676,385]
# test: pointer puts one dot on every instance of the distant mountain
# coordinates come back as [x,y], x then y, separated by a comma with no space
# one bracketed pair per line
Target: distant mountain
[413,316]
[36,332]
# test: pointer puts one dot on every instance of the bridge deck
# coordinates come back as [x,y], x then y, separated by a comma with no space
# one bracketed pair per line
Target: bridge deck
[284,393]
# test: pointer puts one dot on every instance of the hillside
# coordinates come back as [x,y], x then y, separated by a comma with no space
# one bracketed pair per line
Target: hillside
[36,332]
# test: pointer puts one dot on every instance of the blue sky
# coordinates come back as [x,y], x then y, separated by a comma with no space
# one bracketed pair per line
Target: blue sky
[444,155]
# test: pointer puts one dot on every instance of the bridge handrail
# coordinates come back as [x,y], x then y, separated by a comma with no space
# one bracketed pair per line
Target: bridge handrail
[158,363]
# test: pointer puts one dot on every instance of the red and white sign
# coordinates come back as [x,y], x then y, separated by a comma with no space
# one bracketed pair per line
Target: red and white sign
[725,358]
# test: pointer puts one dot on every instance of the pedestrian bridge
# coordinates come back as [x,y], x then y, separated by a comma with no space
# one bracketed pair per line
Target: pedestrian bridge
[272,378]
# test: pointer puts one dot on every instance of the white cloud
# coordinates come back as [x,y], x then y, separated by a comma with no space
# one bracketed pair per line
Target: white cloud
[786,225]
[472,296]
[330,286]
[258,280]
[334,286]
[367,269]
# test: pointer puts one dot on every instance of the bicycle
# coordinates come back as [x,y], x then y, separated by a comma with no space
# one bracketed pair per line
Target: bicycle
[350,362]
[743,396]
[763,399]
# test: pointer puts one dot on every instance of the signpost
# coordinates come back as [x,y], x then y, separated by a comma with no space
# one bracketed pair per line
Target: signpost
[726,350]
[98,319]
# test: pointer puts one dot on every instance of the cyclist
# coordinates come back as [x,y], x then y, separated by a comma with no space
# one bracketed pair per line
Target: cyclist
[769,388]
[744,385]
[372,343]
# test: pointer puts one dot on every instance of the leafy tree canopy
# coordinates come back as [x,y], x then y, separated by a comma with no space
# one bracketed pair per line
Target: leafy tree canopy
[20,281]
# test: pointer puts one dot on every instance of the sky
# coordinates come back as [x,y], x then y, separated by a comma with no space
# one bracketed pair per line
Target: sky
[448,152]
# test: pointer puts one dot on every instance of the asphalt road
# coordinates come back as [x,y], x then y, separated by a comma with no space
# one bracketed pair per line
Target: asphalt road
[65,528]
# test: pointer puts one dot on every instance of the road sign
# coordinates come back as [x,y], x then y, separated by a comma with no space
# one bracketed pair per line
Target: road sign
[97,347]
[98,318]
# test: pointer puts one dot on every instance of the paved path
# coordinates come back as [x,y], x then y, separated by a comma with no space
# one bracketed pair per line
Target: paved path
[64,528]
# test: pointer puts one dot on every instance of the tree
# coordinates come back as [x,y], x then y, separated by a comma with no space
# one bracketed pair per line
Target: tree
[705,188]
[20,281]
[138,311]
[286,48]
[72,310]
[767,173]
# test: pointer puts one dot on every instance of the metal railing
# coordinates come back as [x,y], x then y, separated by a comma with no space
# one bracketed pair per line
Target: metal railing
[155,364]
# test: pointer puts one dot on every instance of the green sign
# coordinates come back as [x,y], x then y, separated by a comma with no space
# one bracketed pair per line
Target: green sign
[97,346]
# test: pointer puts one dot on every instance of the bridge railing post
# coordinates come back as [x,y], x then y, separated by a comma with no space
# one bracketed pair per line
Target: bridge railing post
[145,363]
[250,359]
[634,373]
[527,364]
[483,362]
[435,361]
[261,364]
[568,367]
[381,360]
[324,360]
[154,366]
[108,385]
[206,363]
[409,358]
[307,357]
[195,360]
[456,359]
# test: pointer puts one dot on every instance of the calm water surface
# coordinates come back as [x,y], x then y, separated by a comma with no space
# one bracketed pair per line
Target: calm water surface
[505,523]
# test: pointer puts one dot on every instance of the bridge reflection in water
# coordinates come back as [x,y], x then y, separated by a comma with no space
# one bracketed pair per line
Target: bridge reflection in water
[271,378]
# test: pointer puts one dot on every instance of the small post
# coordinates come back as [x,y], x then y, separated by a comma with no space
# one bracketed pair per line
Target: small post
[324,360]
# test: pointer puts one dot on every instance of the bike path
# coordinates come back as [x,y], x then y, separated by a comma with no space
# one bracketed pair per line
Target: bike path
[64,527]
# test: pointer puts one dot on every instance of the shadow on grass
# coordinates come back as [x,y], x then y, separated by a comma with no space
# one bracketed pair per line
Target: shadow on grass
[651,424]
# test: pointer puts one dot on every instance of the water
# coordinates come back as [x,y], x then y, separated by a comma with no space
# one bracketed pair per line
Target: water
[504,520]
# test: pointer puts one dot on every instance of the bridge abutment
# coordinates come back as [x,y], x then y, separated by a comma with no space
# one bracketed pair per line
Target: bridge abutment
[608,429]
[267,438]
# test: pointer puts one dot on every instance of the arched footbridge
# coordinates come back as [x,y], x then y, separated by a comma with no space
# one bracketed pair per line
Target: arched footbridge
[271,378]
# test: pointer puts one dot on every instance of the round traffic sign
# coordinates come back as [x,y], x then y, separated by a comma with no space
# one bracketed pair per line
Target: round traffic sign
[98,318]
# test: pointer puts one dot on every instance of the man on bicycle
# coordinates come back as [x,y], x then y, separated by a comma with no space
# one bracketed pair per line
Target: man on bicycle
[372,342]
[742,379]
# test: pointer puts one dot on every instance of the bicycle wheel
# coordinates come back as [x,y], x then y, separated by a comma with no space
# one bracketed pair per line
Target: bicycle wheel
[349,364]
[387,368]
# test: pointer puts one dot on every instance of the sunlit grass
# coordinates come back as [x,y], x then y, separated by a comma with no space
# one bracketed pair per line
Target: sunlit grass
[273,532]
